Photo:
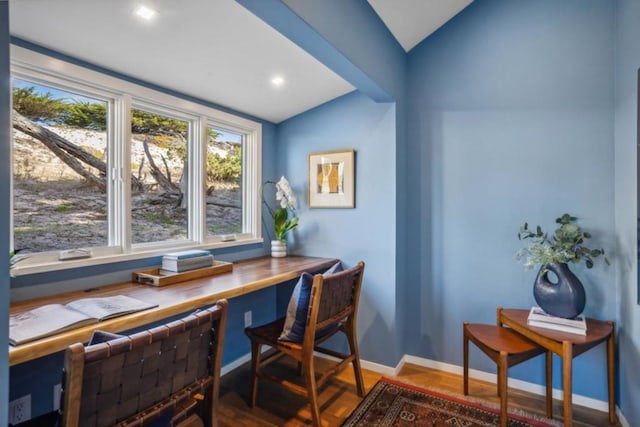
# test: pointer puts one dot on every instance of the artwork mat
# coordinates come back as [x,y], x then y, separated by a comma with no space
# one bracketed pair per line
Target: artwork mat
[341,192]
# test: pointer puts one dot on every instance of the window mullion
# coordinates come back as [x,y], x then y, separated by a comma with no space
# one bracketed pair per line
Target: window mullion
[251,195]
[121,213]
[197,194]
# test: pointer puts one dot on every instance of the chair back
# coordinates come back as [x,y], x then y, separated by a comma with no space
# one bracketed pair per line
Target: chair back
[161,373]
[334,301]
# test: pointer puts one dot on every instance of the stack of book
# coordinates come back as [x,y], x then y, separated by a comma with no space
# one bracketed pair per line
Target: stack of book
[178,262]
[539,318]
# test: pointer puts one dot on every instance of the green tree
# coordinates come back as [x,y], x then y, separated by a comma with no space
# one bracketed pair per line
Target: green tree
[154,124]
[36,106]
[85,115]
[89,115]
[227,168]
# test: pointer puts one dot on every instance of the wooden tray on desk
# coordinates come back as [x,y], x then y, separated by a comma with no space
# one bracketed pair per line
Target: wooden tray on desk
[153,277]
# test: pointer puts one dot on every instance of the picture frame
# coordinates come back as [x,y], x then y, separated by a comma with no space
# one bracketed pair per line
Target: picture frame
[332,179]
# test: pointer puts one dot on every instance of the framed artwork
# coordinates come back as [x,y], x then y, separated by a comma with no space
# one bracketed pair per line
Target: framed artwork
[332,179]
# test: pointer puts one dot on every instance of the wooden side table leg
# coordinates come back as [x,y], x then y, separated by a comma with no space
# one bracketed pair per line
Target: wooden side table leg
[548,361]
[502,387]
[611,376]
[499,390]
[567,386]
[465,356]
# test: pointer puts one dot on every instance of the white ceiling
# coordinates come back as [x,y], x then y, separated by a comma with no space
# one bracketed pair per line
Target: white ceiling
[411,21]
[213,50]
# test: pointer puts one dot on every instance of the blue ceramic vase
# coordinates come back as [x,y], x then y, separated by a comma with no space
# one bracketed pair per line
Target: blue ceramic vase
[563,298]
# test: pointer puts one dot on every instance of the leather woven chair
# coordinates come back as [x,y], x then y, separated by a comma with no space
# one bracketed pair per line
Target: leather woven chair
[333,308]
[168,375]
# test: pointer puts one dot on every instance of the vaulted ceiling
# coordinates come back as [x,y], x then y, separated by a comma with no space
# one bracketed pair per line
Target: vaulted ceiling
[214,50]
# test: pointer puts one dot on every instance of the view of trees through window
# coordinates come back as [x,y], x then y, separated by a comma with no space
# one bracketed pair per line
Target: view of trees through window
[158,163]
[224,173]
[60,173]
[59,169]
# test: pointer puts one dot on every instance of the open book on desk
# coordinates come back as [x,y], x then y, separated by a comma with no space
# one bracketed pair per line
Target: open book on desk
[51,319]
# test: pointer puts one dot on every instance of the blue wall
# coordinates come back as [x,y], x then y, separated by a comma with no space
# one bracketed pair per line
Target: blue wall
[510,120]
[365,233]
[351,39]
[626,122]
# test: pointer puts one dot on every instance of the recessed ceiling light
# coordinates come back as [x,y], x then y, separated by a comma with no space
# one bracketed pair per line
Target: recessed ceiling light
[277,81]
[145,13]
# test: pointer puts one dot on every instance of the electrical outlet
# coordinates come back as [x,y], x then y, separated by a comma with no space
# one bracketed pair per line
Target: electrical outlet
[20,409]
[247,319]
[57,391]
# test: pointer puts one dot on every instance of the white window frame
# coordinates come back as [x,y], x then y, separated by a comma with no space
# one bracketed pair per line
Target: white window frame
[121,96]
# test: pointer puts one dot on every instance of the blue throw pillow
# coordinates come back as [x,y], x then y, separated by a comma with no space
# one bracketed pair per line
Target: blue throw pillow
[296,319]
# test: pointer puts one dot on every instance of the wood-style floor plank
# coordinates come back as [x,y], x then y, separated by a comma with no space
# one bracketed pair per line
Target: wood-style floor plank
[279,407]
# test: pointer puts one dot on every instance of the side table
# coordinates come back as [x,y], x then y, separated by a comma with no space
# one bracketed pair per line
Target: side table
[506,348]
[568,346]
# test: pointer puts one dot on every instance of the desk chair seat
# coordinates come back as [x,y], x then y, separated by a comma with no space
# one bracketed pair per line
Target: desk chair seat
[168,375]
[506,348]
[333,308]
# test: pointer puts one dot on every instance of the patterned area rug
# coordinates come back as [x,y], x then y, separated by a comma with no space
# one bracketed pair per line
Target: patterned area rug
[392,403]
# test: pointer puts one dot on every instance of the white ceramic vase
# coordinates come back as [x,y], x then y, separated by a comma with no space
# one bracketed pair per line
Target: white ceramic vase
[278,248]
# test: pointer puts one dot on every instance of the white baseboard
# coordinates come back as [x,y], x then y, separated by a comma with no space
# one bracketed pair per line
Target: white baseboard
[239,362]
[538,389]
[235,364]
[588,402]
[622,419]
[381,369]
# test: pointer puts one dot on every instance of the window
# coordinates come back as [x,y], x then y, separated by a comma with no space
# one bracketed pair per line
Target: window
[59,169]
[159,196]
[224,182]
[124,171]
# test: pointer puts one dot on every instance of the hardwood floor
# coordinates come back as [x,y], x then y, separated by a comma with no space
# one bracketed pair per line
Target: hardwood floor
[279,407]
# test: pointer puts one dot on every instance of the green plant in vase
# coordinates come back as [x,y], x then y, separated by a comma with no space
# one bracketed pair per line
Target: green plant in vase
[566,296]
[284,218]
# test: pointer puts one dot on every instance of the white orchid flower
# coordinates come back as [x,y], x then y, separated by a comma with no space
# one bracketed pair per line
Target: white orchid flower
[284,194]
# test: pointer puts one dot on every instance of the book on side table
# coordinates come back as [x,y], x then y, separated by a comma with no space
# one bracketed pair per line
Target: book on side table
[51,319]
[541,319]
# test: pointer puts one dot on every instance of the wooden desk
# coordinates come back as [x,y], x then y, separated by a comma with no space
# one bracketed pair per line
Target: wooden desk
[247,276]
[567,346]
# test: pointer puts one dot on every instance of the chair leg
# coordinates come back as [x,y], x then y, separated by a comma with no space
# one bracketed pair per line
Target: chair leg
[357,370]
[208,410]
[312,391]
[255,367]
[502,387]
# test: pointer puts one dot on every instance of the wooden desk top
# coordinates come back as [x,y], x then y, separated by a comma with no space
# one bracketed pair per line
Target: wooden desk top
[247,276]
